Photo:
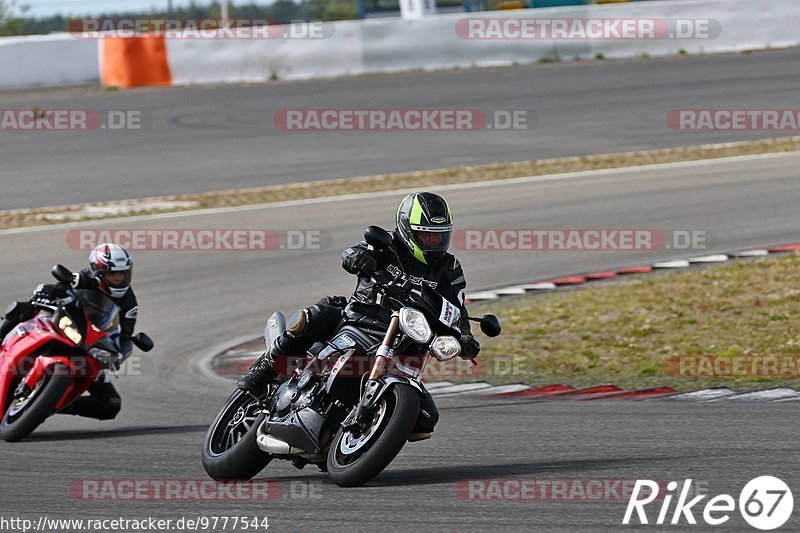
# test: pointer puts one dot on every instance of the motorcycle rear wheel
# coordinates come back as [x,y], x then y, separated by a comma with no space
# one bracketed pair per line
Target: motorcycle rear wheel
[230,451]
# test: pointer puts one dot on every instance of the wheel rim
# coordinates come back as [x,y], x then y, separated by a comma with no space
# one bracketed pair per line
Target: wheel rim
[235,422]
[350,444]
[19,404]
[349,448]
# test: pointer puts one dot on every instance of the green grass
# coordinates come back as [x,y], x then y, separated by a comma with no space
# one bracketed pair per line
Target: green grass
[627,333]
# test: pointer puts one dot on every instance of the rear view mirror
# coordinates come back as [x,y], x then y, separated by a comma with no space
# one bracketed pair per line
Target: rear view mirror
[143,342]
[378,238]
[62,274]
[490,326]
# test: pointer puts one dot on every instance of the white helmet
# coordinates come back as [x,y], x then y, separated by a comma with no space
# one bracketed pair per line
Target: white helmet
[108,257]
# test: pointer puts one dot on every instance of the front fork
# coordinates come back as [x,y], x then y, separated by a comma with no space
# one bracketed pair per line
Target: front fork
[361,417]
[384,354]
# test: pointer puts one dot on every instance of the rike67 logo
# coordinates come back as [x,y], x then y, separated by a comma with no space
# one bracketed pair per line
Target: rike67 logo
[765,503]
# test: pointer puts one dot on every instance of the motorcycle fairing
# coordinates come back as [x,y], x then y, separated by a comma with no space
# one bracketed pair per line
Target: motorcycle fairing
[21,344]
[29,338]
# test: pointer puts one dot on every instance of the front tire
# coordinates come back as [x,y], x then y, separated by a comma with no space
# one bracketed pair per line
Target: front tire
[351,463]
[230,451]
[25,414]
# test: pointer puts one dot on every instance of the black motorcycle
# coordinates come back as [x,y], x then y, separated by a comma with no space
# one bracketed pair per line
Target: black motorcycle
[355,402]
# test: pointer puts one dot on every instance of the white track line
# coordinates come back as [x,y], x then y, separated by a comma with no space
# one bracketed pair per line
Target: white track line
[717,258]
[202,362]
[483,295]
[460,388]
[544,286]
[751,253]
[240,357]
[704,394]
[438,385]
[502,389]
[789,399]
[508,291]
[766,395]
[676,263]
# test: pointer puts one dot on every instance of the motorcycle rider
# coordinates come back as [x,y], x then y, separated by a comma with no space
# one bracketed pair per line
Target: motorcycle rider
[424,225]
[110,271]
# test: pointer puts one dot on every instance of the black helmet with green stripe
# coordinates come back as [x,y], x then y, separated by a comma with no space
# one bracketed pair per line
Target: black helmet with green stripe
[424,223]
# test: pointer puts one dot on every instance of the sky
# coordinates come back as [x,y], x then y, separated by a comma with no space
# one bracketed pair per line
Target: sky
[46,8]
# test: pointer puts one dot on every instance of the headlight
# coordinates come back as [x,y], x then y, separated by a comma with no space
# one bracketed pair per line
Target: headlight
[68,327]
[444,348]
[414,324]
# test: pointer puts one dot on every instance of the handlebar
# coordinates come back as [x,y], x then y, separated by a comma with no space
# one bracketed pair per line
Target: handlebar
[393,286]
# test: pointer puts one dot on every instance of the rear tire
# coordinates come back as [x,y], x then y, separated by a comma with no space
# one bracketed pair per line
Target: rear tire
[230,451]
[15,426]
[355,469]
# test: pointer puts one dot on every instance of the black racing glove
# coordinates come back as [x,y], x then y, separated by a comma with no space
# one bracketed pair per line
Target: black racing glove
[45,294]
[395,290]
[112,361]
[360,262]
[336,301]
[470,347]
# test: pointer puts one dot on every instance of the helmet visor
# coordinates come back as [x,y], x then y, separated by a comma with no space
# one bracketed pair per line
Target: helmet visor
[119,279]
[432,239]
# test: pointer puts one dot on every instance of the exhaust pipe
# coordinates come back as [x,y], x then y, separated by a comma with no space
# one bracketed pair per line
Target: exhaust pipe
[270,444]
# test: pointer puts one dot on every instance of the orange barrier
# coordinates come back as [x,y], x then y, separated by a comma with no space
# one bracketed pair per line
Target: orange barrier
[134,62]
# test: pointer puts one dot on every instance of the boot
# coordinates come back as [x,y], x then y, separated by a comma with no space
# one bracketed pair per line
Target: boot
[17,312]
[260,375]
[6,326]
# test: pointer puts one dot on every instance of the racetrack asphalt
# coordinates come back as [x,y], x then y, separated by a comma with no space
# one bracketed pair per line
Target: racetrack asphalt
[195,302]
[196,139]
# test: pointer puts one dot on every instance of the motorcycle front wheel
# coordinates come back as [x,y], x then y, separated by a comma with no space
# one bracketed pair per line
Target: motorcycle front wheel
[27,411]
[356,459]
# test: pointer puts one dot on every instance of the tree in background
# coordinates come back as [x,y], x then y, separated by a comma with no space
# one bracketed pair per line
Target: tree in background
[332,9]
[281,11]
[9,24]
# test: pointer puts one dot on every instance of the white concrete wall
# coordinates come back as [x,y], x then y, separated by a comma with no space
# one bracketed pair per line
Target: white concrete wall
[47,60]
[394,44]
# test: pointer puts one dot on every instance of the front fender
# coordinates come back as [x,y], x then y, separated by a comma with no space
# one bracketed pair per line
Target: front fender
[76,368]
[374,391]
[387,381]
[81,371]
[42,363]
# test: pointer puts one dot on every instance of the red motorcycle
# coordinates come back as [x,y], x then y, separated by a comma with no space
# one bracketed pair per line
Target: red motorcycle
[48,361]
